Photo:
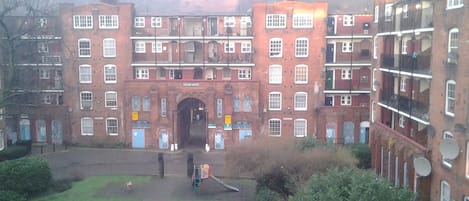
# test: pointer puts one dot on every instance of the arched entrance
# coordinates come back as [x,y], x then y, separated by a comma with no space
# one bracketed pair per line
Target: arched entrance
[192,124]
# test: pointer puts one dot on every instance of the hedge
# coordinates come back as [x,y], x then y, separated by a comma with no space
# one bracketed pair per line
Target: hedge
[10,196]
[25,176]
[13,152]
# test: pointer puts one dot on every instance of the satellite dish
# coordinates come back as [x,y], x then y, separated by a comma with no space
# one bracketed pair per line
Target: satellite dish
[449,148]
[422,166]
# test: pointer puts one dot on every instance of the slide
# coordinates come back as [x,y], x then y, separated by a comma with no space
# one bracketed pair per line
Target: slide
[224,184]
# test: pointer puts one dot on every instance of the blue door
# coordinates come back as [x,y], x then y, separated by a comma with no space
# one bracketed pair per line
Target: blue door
[163,139]
[219,140]
[57,136]
[138,138]
[41,131]
[330,134]
[329,53]
[330,25]
[244,134]
[25,130]
[363,135]
[347,132]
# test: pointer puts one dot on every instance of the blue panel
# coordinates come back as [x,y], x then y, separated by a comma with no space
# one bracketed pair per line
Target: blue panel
[138,138]
[25,130]
[236,104]
[57,135]
[347,132]
[330,134]
[244,134]
[247,104]
[363,135]
[219,140]
[41,130]
[163,139]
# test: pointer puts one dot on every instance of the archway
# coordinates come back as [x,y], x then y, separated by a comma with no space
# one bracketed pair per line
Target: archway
[192,124]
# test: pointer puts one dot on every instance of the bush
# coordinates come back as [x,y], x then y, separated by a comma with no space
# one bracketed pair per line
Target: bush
[27,176]
[61,185]
[11,196]
[13,152]
[265,194]
[363,154]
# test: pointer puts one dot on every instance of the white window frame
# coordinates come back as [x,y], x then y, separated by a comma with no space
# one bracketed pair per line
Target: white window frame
[42,47]
[85,70]
[156,47]
[275,21]
[349,20]
[82,99]
[345,100]
[346,74]
[373,111]
[373,84]
[156,22]
[84,49]
[301,74]
[300,128]
[376,13]
[445,191]
[453,44]
[246,47]
[302,20]
[230,47]
[109,127]
[110,99]
[108,21]
[275,47]
[229,21]
[275,101]
[91,126]
[301,47]
[403,84]
[139,22]
[140,46]
[44,74]
[299,103]
[375,47]
[404,46]
[452,4]
[275,74]
[448,100]
[405,11]
[388,12]
[47,99]
[347,47]
[447,162]
[401,121]
[274,130]
[244,74]
[110,73]
[109,47]
[142,73]
[83,22]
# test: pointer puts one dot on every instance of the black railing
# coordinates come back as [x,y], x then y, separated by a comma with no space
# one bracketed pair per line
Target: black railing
[405,104]
[418,63]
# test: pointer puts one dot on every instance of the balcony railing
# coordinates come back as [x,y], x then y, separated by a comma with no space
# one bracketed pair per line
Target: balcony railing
[419,64]
[417,19]
[405,104]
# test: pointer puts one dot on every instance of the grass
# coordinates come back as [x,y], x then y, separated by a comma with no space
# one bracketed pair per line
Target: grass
[87,189]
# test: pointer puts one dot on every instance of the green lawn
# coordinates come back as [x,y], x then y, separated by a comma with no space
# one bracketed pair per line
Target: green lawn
[87,189]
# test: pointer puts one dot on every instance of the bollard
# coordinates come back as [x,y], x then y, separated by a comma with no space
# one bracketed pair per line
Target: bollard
[42,151]
[53,147]
[190,164]
[161,165]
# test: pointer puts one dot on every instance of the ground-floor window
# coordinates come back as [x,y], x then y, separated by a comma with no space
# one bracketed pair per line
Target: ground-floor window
[300,127]
[111,126]
[275,127]
[86,126]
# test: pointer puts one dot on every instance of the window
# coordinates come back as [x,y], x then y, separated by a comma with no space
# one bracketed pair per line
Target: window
[375,47]
[388,12]
[405,11]
[275,47]
[109,47]
[453,45]
[347,46]
[163,107]
[247,104]
[299,127]
[302,21]
[226,73]
[135,103]
[175,74]
[230,47]
[42,22]
[346,74]
[156,22]
[301,47]
[142,73]
[275,74]
[445,161]
[140,47]
[403,84]
[47,99]
[111,126]
[44,74]
[156,47]
[301,101]
[110,99]
[229,21]
[301,74]
[245,47]
[146,105]
[139,22]
[346,100]
[84,47]
[404,46]
[275,127]
[219,107]
[455,4]
[445,191]
[236,104]
[86,126]
[244,74]
[82,22]
[450,97]
[84,72]
[108,21]
[276,21]
[42,47]
[110,73]
[467,161]
[401,121]
[86,100]
[275,101]
[376,14]
[348,20]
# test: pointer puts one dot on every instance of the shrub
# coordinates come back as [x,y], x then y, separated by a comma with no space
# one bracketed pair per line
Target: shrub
[265,194]
[27,176]
[61,185]
[11,196]
[363,154]
[13,152]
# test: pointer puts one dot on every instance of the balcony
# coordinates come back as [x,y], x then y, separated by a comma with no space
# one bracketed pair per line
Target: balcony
[418,16]
[417,141]
[419,64]
[417,110]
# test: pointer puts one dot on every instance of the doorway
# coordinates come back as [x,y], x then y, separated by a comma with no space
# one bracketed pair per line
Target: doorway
[192,124]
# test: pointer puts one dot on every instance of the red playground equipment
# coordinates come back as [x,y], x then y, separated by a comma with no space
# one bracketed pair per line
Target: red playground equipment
[201,173]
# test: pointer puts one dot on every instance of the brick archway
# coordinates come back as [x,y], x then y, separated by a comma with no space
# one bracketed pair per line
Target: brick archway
[191,123]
